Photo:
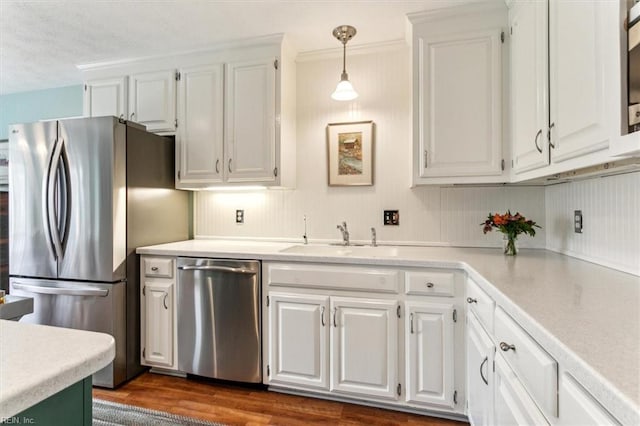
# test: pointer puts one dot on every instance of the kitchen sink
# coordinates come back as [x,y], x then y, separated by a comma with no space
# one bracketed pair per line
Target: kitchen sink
[351,251]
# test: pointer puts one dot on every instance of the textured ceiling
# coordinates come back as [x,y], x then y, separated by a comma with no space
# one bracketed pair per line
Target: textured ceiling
[41,42]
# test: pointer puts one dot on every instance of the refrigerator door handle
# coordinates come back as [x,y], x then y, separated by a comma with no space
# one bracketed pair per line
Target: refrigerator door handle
[64,182]
[52,210]
[60,290]
[46,196]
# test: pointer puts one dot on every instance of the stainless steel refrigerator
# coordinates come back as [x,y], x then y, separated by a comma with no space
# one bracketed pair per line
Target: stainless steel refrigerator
[84,193]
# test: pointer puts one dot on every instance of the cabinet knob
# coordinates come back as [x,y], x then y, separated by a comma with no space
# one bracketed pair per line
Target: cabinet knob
[470,300]
[429,285]
[507,347]
[154,268]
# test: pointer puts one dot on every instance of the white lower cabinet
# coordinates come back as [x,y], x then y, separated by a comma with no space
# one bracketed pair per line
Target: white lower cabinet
[480,380]
[158,306]
[157,312]
[513,405]
[364,339]
[579,408]
[430,353]
[378,334]
[298,333]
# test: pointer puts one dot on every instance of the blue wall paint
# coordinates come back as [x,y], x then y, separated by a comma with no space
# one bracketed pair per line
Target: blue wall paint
[25,107]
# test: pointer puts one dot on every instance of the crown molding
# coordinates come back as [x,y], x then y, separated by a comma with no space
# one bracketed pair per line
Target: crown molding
[271,39]
[362,49]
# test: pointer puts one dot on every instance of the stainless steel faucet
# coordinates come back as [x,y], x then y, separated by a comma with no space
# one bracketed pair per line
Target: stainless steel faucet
[374,241]
[345,233]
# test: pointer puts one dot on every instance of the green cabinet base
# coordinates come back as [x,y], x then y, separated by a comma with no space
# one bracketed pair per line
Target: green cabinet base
[69,407]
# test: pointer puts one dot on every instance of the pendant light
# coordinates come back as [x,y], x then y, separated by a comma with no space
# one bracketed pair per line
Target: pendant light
[344,90]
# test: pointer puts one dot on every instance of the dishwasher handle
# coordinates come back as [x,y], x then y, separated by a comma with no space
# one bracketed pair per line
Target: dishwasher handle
[217,269]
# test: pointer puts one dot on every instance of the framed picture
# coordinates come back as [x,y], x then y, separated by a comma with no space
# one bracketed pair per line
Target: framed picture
[350,153]
[4,162]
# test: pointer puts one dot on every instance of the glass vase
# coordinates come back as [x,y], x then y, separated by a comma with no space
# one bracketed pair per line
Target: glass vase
[510,245]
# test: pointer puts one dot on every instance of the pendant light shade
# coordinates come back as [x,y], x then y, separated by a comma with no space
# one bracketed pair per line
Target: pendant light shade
[344,91]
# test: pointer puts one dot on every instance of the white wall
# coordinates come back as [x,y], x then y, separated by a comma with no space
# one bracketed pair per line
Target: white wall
[428,215]
[611,216]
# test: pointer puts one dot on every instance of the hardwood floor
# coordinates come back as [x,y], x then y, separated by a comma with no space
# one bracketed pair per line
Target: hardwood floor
[240,405]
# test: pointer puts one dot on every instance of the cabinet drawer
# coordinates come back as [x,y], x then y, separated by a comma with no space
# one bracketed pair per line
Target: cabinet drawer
[431,283]
[537,370]
[333,276]
[481,304]
[579,407]
[158,267]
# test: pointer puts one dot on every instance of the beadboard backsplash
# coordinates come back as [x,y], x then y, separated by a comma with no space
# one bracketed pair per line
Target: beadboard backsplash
[611,227]
[428,215]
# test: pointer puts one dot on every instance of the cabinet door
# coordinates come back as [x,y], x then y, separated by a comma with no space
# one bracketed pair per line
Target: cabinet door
[364,339]
[459,110]
[250,147]
[105,97]
[578,407]
[429,353]
[480,355]
[157,313]
[152,100]
[529,85]
[513,405]
[577,78]
[298,337]
[199,139]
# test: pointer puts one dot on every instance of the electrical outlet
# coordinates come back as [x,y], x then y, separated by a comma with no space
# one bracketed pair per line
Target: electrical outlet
[239,216]
[391,217]
[577,221]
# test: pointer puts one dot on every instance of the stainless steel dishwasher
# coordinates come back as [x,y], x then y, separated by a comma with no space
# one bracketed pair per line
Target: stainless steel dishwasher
[219,327]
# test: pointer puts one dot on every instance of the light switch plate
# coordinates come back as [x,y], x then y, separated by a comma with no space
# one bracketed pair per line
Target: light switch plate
[577,221]
[391,217]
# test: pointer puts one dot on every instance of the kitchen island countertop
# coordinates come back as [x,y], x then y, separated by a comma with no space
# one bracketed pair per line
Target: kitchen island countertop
[585,315]
[38,361]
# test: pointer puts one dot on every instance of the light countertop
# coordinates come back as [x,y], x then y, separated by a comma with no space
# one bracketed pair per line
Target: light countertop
[37,361]
[585,315]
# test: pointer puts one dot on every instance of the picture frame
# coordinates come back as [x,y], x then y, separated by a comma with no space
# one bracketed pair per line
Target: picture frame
[4,162]
[350,153]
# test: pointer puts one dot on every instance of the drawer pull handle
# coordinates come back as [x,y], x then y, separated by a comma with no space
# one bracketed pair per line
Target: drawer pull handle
[322,316]
[507,347]
[154,268]
[486,382]
[429,285]
[470,300]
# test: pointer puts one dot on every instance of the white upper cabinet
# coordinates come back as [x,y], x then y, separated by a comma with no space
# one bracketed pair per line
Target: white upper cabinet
[106,97]
[152,100]
[199,140]
[572,127]
[577,79]
[146,98]
[458,95]
[529,85]
[250,144]
[232,109]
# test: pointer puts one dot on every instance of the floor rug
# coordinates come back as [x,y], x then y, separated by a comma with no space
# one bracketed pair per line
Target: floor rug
[107,413]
